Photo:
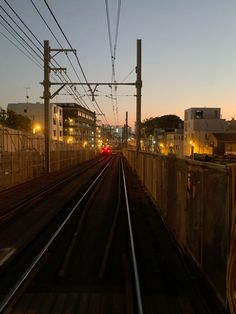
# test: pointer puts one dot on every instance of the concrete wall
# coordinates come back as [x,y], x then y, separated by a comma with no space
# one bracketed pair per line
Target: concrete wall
[195,201]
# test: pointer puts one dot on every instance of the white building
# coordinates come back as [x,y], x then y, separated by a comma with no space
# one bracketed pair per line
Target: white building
[35,112]
[199,124]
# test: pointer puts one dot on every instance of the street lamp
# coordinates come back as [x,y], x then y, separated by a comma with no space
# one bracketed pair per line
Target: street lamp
[36,128]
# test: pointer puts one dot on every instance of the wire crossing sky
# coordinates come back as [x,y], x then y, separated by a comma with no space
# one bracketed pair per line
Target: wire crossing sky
[113,57]
[188,53]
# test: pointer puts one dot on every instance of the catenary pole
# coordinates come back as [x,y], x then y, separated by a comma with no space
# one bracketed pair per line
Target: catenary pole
[138,96]
[46,96]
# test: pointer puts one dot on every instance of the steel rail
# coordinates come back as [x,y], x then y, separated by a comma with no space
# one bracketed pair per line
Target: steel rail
[136,276]
[25,275]
[8,213]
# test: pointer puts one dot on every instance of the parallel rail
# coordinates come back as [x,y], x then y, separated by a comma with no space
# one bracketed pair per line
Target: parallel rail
[15,289]
[110,251]
[21,206]
[133,293]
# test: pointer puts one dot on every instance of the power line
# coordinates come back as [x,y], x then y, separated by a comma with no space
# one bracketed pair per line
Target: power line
[21,28]
[55,19]
[117,28]
[113,55]
[82,100]
[23,42]
[24,34]
[29,57]
[11,27]
[128,75]
[109,32]
[66,39]
[49,28]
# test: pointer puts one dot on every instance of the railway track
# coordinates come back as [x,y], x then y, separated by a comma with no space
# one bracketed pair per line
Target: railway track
[110,253]
[10,209]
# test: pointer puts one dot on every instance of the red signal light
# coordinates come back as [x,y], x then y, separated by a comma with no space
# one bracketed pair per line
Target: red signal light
[106,150]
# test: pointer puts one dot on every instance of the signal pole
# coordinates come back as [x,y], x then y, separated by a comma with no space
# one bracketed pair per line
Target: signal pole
[138,96]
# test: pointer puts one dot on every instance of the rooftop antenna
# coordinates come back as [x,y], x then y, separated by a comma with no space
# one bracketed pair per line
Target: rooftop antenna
[27,94]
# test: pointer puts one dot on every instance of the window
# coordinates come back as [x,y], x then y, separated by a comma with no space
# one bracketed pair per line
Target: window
[199,114]
[60,133]
[54,109]
[54,133]
[25,110]
[54,121]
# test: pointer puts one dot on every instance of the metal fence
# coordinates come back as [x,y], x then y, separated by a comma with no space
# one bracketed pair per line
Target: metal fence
[22,156]
[195,200]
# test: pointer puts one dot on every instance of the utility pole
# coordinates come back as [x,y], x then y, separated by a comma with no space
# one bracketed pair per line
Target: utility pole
[47,96]
[138,96]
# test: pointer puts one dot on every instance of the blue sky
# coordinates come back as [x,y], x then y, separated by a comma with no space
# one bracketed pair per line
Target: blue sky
[188,53]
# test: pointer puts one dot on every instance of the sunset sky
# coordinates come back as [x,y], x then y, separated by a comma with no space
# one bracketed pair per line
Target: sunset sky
[188,53]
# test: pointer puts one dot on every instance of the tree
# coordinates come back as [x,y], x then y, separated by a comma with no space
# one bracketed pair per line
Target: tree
[164,122]
[17,121]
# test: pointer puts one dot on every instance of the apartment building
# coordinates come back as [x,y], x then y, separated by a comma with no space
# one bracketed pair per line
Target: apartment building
[35,112]
[79,125]
[199,124]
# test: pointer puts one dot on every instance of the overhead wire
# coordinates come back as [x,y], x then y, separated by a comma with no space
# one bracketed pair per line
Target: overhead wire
[112,57]
[11,30]
[21,20]
[117,28]
[127,75]
[55,19]
[22,51]
[114,53]
[23,24]
[79,98]
[78,61]
[81,101]
[113,50]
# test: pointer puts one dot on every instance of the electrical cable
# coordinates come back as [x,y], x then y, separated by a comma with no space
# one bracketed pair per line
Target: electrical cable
[73,91]
[29,57]
[21,28]
[79,99]
[127,76]
[82,100]
[23,33]
[20,37]
[66,40]
[109,31]
[117,28]
[55,19]
[113,56]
